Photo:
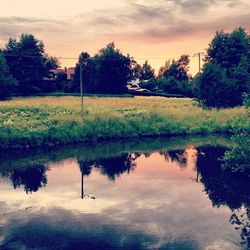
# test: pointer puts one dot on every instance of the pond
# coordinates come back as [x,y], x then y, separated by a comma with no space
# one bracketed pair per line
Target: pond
[167,193]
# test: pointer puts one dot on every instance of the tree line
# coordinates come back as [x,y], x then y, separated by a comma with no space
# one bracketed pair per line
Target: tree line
[25,69]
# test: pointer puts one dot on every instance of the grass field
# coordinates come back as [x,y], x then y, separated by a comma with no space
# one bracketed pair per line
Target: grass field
[30,122]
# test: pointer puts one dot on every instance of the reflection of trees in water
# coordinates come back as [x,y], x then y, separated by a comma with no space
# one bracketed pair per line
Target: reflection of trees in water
[116,166]
[182,157]
[178,155]
[241,220]
[86,169]
[31,177]
[225,187]
[175,156]
[85,166]
[112,167]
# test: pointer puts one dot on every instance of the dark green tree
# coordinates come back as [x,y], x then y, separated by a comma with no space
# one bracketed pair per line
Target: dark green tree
[177,69]
[107,72]
[61,81]
[7,83]
[228,57]
[162,69]
[51,62]
[88,74]
[146,71]
[173,78]
[112,70]
[28,63]
[212,85]
[150,84]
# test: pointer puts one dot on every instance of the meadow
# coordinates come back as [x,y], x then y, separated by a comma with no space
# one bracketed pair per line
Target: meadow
[38,121]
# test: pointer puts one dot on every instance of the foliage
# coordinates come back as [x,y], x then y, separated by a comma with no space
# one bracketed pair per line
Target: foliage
[61,81]
[213,87]
[171,86]
[28,63]
[88,74]
[113,70]
[173,78]
[177,69]
[58,120]
[144,72]
[7,83]
[237,159]
[226,75]
[150,84]
[107,72]
[51,62]
[246,101]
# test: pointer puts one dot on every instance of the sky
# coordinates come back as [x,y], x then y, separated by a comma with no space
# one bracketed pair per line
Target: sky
[153,30]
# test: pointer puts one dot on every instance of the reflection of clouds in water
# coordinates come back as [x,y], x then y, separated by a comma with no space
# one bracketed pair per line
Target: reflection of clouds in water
[87,231]
[61,228]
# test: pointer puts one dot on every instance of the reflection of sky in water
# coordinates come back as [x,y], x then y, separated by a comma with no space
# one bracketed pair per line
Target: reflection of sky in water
[157,205]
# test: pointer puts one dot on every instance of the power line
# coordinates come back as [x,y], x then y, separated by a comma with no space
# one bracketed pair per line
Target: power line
[198,54]
[76,58]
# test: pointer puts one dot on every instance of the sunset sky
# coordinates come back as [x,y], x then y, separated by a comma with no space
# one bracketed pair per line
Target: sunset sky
[156,30]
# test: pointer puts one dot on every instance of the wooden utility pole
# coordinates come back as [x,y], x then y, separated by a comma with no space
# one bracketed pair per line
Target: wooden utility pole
[199,58]
[81,87]
[82,186]
[199,55]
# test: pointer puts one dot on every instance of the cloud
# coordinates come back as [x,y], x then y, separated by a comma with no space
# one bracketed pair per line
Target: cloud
[16,19]
[168,20]
[146,21]
[12,27]
[194,5]
[186,29]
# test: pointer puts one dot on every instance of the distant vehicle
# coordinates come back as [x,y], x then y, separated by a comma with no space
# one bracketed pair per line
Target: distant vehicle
[133,86]
[143,90]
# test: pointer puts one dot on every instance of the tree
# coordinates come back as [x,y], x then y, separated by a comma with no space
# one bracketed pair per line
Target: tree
[173,78]
[146,72]
[7,83]
[51,62]
[88,74]
[107,72]
[112,70]
[213,87]
[61,81]
[177,69]
[228,63]
[28,63]
[162,69]
[150,84]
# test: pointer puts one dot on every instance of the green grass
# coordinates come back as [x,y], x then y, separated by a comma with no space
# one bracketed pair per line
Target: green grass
[57,120]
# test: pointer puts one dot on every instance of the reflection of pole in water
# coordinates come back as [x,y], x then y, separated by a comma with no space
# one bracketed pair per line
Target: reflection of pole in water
[82,188]
[198,173]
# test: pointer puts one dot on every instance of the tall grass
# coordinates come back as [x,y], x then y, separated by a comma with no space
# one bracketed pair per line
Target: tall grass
[30,122]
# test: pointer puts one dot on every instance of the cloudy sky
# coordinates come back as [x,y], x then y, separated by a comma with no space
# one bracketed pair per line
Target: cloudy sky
[146,29]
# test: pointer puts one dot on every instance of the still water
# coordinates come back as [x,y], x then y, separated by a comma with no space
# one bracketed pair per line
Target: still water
[150,194]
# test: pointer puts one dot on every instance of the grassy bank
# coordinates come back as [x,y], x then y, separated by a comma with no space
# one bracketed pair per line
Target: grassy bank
[31,122]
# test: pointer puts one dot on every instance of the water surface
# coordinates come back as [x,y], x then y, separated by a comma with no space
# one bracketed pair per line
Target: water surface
[151,194]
